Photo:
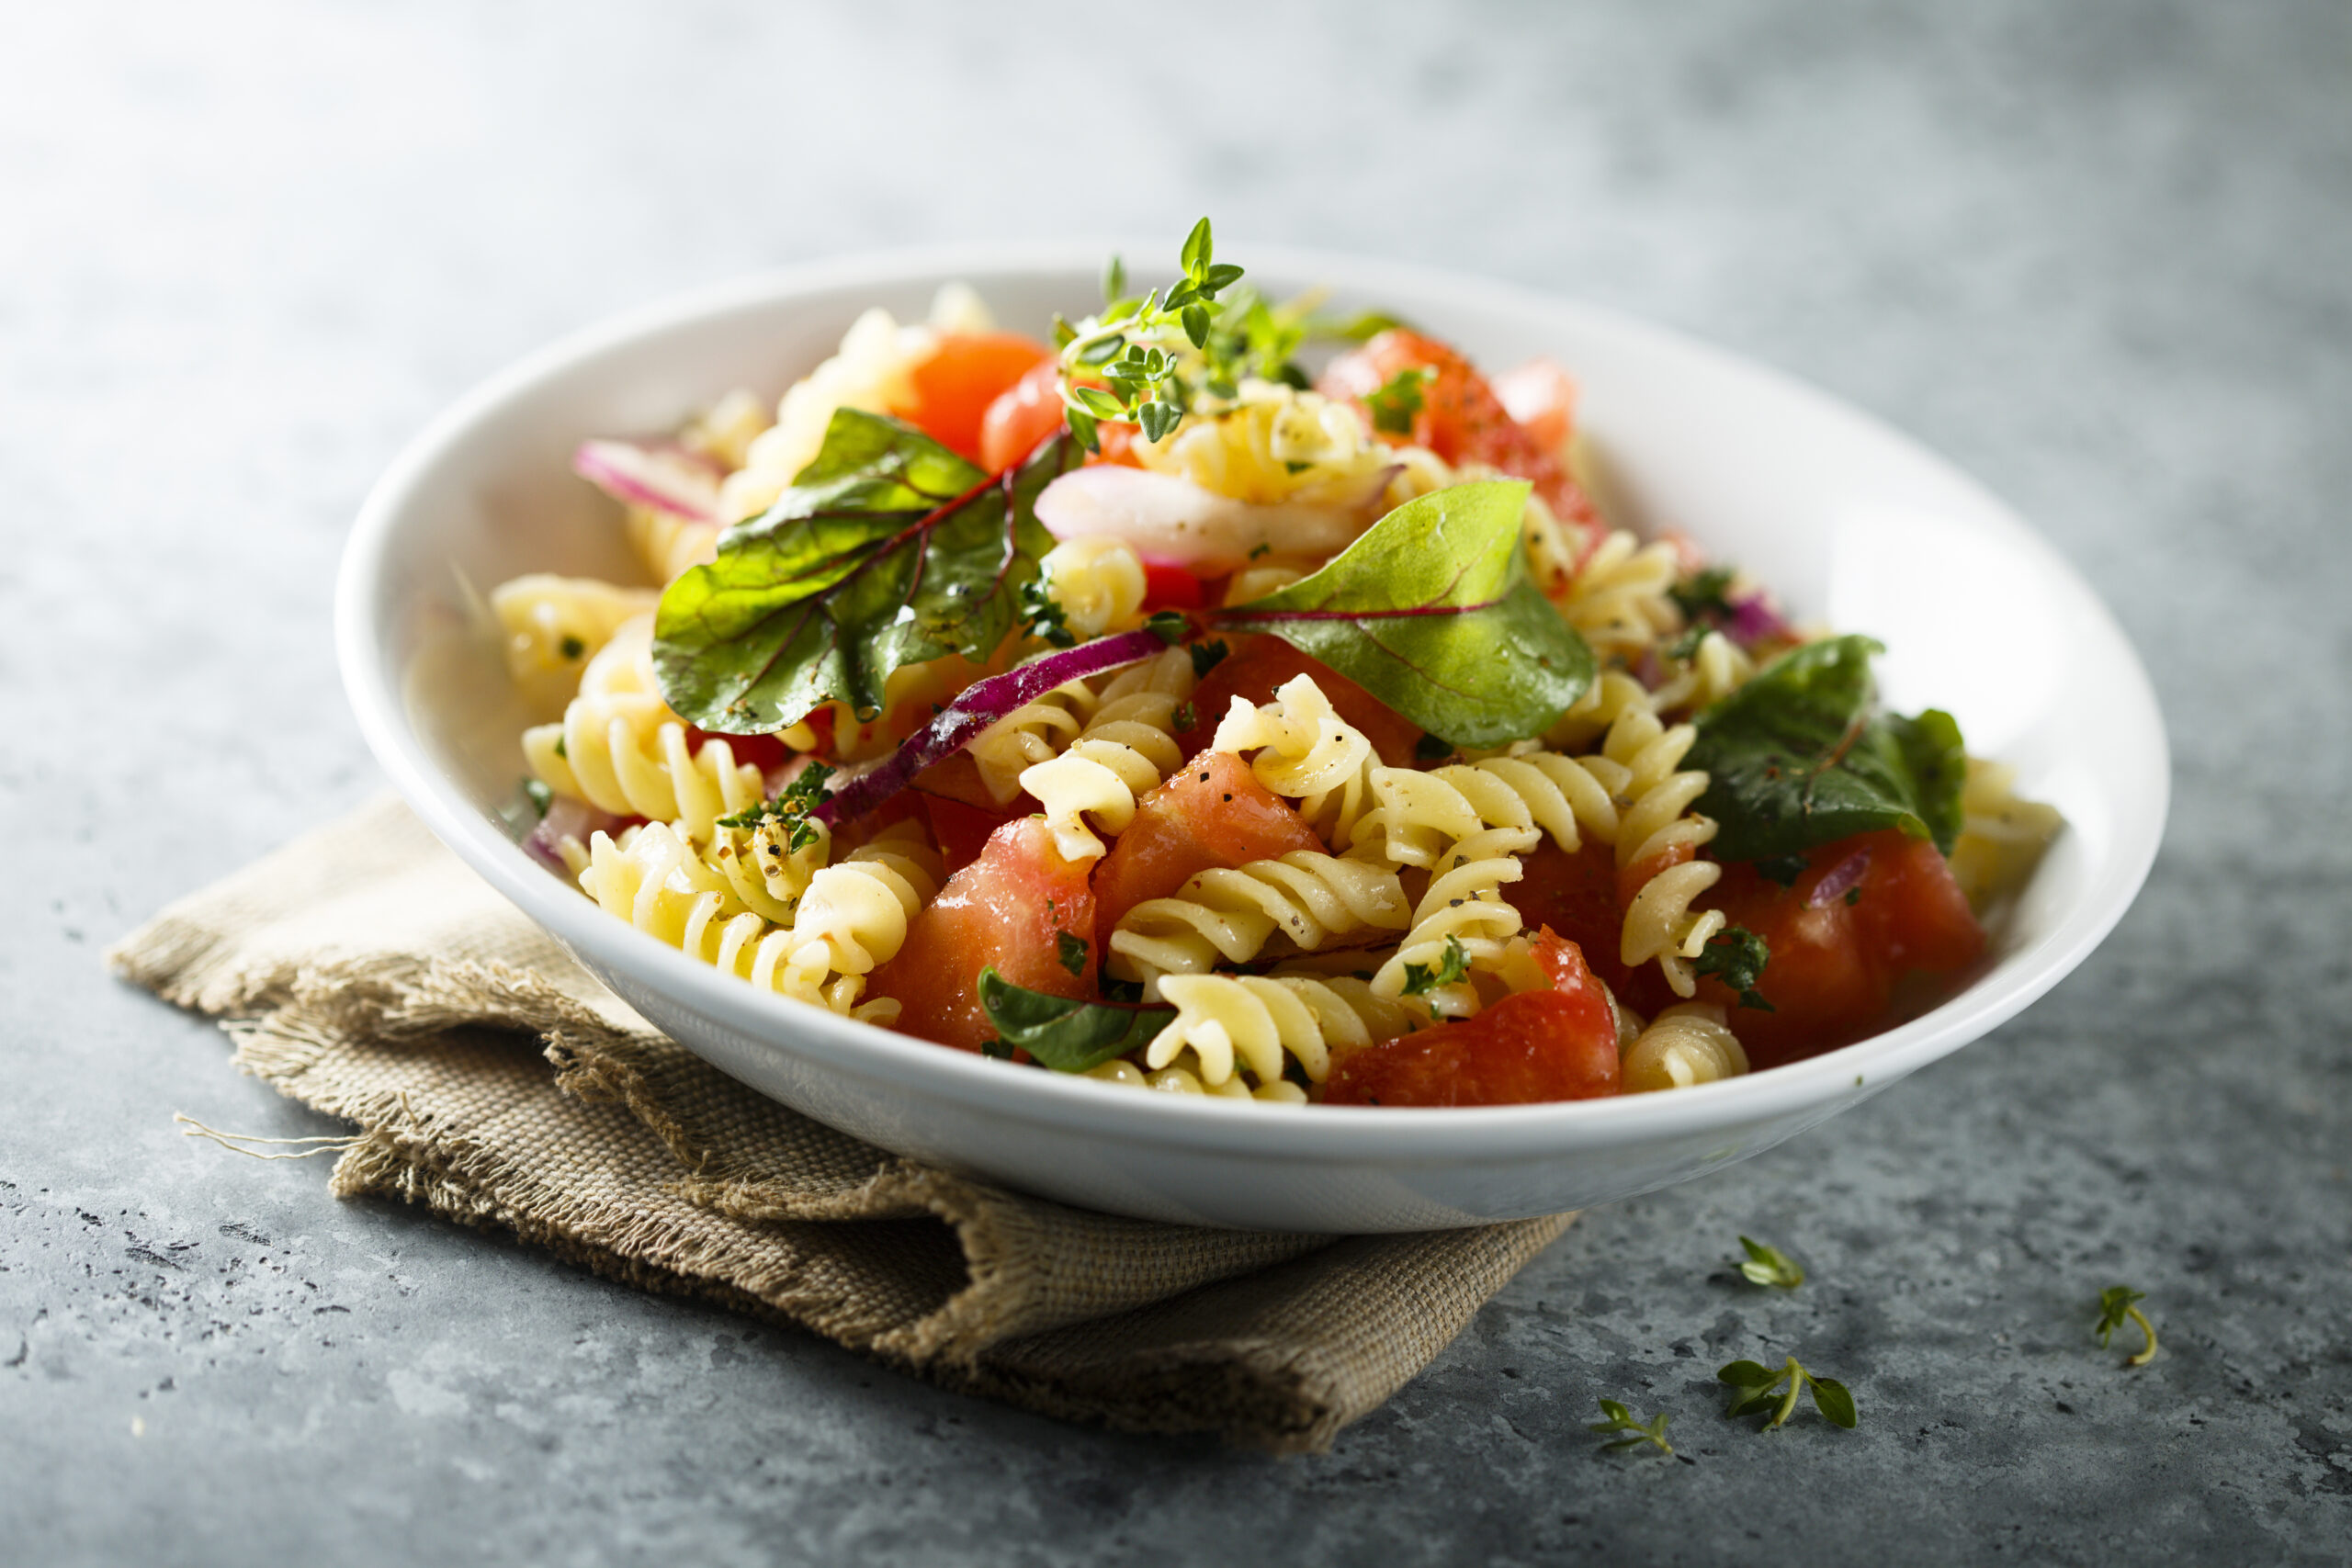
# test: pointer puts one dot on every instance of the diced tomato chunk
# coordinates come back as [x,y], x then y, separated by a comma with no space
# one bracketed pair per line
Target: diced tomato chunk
[1535,1046]
[963,830]
[1542,398]
[1576,895]
[958,385]
[1912,908]
[1832,967]
[1171,588]
[1212,812]
[1461,419]
[1009,908]
[1259,664]
[1023,415]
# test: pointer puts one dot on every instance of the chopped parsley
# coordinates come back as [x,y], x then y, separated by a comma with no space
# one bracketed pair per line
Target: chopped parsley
[1452,968]
[1072,951]
[1393,404]
[1736,956]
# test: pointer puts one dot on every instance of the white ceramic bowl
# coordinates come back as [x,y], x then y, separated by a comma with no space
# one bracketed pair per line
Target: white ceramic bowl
[1851,523]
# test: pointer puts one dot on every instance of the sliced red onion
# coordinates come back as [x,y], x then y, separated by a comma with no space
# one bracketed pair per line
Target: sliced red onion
[1171,520]
[566,818]
[1843,878]
[1752,620]
[980,704]
[663,476]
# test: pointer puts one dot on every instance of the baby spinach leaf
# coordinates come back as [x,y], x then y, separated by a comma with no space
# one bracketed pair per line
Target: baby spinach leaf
[1795,758]
[1431,611]
[889,549]
[1066,1035]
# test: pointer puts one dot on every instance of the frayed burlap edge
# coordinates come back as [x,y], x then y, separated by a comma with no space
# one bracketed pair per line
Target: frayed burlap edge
[330,963]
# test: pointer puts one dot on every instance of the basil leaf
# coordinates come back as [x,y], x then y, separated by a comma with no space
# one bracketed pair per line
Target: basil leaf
[889,549]
[1066,1035]
[1431,611]
[1795,758]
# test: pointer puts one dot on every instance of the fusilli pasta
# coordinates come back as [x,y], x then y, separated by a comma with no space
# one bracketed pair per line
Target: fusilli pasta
[1303,899]
[1688,1043]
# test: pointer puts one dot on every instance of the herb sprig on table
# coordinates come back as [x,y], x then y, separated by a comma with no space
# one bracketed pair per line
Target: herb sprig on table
[1638,1433]
[1757,1388]
[2118,1304]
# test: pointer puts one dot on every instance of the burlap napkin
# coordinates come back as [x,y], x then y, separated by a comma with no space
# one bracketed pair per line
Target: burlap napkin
[367,973]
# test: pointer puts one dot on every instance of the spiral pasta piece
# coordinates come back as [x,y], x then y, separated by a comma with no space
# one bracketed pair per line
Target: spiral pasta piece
[763,868]
[1182,1076]
[1688,1043]
[1619,599]
[553,625]
[1658,829]
[627,753]
[1097,581]
[1255,1024]
[1464,904]
[2002,837]
[1302,898]
[1033,733]
[1305,752]
[851,921]
[1497,806]
[1126,750]
[1716,668]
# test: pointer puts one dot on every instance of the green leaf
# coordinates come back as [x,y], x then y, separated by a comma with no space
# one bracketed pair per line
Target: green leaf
[1639,1433]
[1452,968]
[1066,1035]
[1197,252]
[1749,1374]
[888,550]
[1830,1397]
[1072,950]
[1393,404]
[1432,613]
[1196,325]
[2115,1310]
[1769,1266]
[1114,281]
[1738,957]
[1795,758]
[542,798]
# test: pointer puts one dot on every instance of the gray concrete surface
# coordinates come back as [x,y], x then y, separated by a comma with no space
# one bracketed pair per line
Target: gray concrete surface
[2097,254]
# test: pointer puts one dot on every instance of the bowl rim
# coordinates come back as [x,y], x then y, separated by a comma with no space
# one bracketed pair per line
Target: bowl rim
[1312,1132]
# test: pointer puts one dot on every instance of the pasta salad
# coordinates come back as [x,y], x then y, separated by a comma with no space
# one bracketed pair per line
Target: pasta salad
[1230,697]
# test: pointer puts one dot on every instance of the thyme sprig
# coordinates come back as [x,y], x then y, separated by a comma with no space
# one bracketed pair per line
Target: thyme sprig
[1137,345]
[1620,1419]
[1759,1388]
[1769,1266]
[789,811]
[2116,1307]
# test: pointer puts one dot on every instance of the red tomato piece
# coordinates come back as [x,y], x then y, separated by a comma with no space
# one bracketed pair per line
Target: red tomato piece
[1259,664]
[963,830]
[1171,588]
[1461,419]
[1543,399]
[1009,908]
[1833,968]
[1576,895]
[1911,909]
[1212,812]
[1030,410]
[1023,415]
[958,385]
[1525,1049]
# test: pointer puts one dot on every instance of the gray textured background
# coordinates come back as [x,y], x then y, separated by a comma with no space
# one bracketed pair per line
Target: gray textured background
[2102,258]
